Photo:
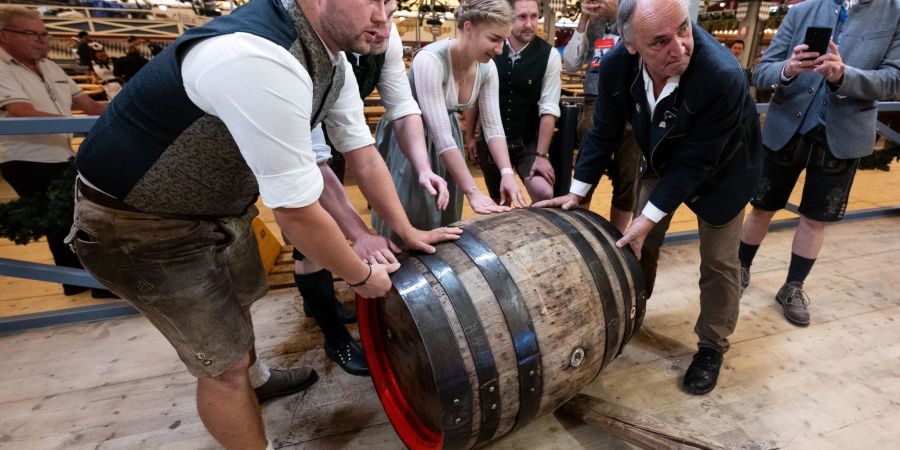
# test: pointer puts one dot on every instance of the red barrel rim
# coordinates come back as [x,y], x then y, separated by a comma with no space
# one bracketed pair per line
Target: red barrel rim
[412,431]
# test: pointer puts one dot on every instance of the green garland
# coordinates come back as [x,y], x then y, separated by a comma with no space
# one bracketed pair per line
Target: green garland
[880,159]
[32,217]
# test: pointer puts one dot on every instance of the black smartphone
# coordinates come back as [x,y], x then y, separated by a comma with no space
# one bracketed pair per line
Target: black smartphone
[817,39]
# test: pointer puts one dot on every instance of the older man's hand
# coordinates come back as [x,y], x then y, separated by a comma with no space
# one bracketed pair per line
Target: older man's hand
[635,234]
[566,202]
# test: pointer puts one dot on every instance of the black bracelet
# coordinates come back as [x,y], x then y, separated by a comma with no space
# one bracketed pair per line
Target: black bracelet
[364,281]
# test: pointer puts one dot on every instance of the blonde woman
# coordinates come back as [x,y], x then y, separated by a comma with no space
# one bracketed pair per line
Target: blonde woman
[448,77]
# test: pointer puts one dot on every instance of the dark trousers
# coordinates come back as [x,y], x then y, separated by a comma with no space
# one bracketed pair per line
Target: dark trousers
[29,178]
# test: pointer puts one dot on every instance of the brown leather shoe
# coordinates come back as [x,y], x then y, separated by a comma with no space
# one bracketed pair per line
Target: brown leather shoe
[286,382]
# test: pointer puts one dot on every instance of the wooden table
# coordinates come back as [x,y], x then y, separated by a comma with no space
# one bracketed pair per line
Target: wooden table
[572,89]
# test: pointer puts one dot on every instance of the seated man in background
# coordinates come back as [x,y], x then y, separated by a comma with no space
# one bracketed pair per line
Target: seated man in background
[127,66]
[104,71]
[83,49]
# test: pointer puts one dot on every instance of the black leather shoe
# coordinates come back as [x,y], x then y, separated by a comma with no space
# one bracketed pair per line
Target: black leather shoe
[344,313]
[102,293]
[350,357]
[703,372]
[285,382]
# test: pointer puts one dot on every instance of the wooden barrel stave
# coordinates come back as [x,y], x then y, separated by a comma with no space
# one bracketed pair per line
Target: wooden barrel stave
[494,327]
[586,317]
[536,263]
[483,318]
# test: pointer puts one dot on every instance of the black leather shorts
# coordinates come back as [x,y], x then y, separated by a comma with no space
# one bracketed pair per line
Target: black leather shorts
[826,187]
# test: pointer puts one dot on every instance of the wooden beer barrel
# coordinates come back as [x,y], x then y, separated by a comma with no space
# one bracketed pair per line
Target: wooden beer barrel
[501,326]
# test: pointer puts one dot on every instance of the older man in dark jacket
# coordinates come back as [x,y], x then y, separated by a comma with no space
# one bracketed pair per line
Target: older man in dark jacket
[687,100]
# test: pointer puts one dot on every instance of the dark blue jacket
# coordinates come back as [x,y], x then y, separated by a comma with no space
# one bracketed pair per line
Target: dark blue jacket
[154,109]
[708,152]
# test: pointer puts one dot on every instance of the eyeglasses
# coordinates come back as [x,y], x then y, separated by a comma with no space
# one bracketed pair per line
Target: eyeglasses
[34,36]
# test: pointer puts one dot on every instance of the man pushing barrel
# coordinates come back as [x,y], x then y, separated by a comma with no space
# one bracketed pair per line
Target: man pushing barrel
[687,100]
[170,173]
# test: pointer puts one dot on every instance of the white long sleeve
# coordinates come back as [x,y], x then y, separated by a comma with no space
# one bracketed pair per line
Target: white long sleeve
[429,76]
[489,106]
[572,57]
[550,86]
[393,84]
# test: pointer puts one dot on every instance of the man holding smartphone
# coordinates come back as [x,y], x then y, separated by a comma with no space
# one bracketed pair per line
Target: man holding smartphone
[821,119]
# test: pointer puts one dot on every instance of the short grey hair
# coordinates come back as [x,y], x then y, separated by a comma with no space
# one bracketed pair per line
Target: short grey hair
[625,16]
[8,13]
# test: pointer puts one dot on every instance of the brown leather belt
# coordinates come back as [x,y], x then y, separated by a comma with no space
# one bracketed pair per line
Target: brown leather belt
[102,199]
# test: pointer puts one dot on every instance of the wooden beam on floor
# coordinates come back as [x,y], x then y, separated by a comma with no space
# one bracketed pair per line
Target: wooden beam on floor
[642,430]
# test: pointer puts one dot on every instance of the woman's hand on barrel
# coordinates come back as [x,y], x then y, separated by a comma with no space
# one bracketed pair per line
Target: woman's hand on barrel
[437,187]
[510,194]
[421,240]
[482,204]
[636,233]
[374,248]
[377,283]
[566,202]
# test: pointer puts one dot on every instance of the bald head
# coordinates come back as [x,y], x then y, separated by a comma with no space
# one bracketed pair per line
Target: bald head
[660,32]
[627,9]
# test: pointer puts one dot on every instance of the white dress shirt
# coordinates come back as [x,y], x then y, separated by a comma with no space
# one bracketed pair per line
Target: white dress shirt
[264,97]
[393,87]
[653,213]
[550,84]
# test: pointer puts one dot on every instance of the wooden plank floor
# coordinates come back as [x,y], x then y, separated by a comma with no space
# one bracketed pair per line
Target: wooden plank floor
[834,385]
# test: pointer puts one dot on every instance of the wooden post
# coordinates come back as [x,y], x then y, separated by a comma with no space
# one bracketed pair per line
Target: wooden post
[269,247]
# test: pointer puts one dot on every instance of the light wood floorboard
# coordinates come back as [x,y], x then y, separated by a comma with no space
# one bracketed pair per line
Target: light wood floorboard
[836,384]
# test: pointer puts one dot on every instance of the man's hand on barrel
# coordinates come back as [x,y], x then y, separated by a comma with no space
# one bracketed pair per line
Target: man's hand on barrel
[377,283]
[375,249]
[635,234]
[421,240]
[566,202]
